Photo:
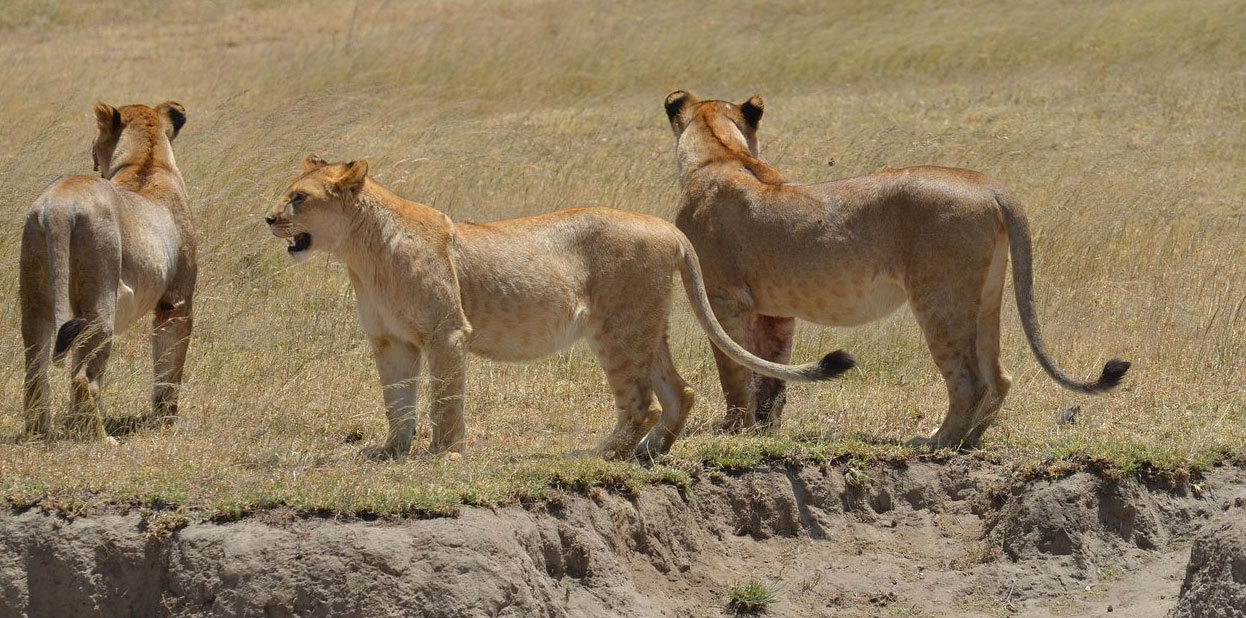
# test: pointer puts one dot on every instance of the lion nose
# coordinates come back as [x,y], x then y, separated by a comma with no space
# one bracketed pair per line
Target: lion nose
[270,220]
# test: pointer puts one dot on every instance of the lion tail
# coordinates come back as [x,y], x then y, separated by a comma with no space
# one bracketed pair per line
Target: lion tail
[832,365]
[59,238]
[45,278]
[1023,282]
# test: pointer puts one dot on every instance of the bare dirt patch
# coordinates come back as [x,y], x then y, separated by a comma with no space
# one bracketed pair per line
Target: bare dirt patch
[1215,580]
[957,538]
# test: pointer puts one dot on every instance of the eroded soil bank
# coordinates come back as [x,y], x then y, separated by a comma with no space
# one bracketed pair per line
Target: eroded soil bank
[956,538]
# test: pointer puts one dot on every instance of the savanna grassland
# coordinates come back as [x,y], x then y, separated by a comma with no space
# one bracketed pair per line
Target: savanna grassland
[1121,124]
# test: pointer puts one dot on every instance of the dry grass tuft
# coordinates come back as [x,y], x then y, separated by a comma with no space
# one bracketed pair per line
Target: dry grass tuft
[1121,124]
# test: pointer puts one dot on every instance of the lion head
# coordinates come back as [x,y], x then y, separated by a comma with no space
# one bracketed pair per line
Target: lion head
[734,126]
[315,211]
[135,135]
[709,132]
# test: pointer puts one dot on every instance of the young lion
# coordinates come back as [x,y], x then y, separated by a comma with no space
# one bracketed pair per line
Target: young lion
[850,251]
[510,290]
[99,253]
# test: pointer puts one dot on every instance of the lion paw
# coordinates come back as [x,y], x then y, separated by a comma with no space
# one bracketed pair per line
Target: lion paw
[650,449]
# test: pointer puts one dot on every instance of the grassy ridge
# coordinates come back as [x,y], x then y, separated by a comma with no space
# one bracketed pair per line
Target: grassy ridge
[1120,124]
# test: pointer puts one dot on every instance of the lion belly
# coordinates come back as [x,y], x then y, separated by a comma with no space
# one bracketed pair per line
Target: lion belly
[833,304]
[539,330]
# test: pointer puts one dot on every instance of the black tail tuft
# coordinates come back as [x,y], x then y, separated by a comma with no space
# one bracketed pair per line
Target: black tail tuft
[65,336]
[835,364]
[1113,371]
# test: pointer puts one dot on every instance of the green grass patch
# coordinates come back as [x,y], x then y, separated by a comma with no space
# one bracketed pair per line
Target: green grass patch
[441,487]
[752,596]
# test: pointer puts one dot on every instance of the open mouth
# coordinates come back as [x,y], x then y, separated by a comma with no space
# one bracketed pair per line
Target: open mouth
[299,242]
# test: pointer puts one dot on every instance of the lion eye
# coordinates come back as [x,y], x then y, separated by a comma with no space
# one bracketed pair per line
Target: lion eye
[298,198]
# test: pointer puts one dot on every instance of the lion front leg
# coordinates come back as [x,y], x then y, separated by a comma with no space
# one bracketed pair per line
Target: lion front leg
[736,380]
[398,364]
[170,339]
[447,368]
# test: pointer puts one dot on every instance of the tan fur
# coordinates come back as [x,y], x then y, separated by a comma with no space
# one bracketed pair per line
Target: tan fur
[99,253]
[850,251]
[431,290]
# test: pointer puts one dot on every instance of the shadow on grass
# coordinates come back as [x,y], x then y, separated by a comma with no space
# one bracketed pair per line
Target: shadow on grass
[118,426]
[818,437]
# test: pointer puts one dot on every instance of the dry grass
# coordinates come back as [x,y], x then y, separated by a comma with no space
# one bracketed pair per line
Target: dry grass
[1121,124]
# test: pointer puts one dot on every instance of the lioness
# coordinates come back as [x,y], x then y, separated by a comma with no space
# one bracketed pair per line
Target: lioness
[850,251]
[99,253]
[510,290]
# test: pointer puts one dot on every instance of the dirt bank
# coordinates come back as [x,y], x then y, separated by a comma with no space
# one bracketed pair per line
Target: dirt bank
[958,538]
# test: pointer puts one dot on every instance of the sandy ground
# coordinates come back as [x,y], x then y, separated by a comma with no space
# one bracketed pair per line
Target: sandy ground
[955,538]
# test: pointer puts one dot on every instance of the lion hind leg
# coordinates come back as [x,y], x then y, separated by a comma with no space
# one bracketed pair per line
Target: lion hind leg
[638,409]
[95,260]
[447,367]
[735,379]
[36,403]
[38,327]
[676,399]
[627,357]
[772,340]
[964,402]
[992,372]
[86,415]
[949,323]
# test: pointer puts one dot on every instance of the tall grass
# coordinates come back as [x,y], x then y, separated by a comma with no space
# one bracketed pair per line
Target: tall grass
[1119,123]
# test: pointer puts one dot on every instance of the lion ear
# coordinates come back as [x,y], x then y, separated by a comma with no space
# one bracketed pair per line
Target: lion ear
[350,178]
[313,162]
[677,102]
[108,118]
[174,117]
[752,110]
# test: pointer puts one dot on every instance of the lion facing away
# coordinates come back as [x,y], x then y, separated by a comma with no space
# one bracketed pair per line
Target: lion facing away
[432,290]
[851,251]
[98,254]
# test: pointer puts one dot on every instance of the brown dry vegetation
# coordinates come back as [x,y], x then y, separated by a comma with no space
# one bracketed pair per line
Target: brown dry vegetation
[1120,123]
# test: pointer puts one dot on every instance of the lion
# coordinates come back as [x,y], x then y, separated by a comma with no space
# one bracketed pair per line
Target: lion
[850,251]
[512,290]
[99,253]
